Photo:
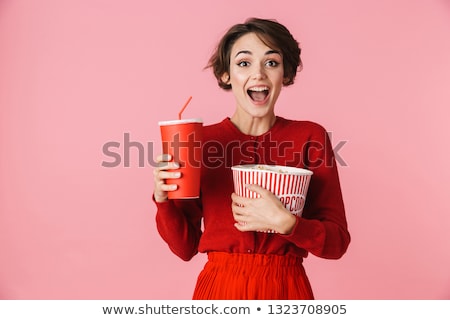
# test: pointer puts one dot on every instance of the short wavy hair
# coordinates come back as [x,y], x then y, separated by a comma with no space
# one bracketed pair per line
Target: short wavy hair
[272,33]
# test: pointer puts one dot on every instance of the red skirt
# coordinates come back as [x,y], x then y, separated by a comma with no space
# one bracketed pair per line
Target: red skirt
[235,276]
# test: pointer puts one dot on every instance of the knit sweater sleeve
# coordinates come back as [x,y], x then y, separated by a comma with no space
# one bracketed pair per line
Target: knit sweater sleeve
[322,229]
[179,224]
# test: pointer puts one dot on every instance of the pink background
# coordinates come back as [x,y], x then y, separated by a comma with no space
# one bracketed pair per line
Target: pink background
[77,74]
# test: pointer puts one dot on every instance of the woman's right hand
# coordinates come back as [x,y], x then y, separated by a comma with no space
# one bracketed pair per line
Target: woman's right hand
[160,174]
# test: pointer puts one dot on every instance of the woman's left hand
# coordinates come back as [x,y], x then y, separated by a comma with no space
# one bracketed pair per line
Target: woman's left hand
[265,213]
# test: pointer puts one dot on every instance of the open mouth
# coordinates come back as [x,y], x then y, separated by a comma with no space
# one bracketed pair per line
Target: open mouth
[258,94]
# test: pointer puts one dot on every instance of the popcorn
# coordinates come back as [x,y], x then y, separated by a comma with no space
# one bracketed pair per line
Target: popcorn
[289,184]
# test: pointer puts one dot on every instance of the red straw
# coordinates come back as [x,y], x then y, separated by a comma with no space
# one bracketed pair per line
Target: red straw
[184,107]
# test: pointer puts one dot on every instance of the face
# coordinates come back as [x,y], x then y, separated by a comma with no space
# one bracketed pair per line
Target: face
[256,76]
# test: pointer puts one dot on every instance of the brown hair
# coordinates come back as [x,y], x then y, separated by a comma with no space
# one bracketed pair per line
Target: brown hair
[272,33]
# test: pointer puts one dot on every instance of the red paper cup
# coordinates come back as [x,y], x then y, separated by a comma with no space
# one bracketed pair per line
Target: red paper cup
[289,184]
[182,140]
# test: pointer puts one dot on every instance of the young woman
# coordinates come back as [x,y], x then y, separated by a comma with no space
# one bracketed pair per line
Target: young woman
[255,60]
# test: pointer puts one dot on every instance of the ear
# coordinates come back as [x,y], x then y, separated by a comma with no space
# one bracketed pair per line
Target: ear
[225,78]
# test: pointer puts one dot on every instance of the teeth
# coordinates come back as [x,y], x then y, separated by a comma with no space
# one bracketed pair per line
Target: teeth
[259,89]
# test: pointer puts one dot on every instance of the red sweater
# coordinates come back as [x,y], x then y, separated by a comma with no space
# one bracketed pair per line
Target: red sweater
[322,229]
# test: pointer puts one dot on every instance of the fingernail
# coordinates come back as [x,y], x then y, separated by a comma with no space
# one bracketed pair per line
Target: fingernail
[177,174]
[176,165]
[166,157]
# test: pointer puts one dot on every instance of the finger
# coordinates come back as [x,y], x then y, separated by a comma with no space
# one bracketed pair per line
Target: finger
[242,226]
[163,157]
[160,175]
[256,188]
[245,227]
[162,188]
[169,175]
[237,212]
[161,172]
[168,187]
[241,201]
[234,198]
[168,165]
[239,209]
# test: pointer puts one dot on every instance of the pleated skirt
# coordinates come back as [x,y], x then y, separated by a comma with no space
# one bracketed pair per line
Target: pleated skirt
[236,276]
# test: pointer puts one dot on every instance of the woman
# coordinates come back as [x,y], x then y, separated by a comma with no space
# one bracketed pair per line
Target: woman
[255,60]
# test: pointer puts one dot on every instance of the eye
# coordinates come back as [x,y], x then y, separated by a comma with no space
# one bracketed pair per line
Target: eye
[272,63]
[243,64]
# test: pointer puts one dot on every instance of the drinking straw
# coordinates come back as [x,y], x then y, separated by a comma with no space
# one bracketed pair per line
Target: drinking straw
[184,107]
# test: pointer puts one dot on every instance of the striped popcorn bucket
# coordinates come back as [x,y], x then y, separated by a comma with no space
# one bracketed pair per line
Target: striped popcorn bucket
[289,184]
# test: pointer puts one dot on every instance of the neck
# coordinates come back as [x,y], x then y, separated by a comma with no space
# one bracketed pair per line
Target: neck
[253,126]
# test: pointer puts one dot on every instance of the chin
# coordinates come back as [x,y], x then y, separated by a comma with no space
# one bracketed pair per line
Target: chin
[260,111]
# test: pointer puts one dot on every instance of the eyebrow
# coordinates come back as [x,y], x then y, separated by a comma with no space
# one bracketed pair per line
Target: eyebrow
[250,53]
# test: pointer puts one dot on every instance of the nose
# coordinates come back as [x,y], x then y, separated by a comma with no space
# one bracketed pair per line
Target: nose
[259,73]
